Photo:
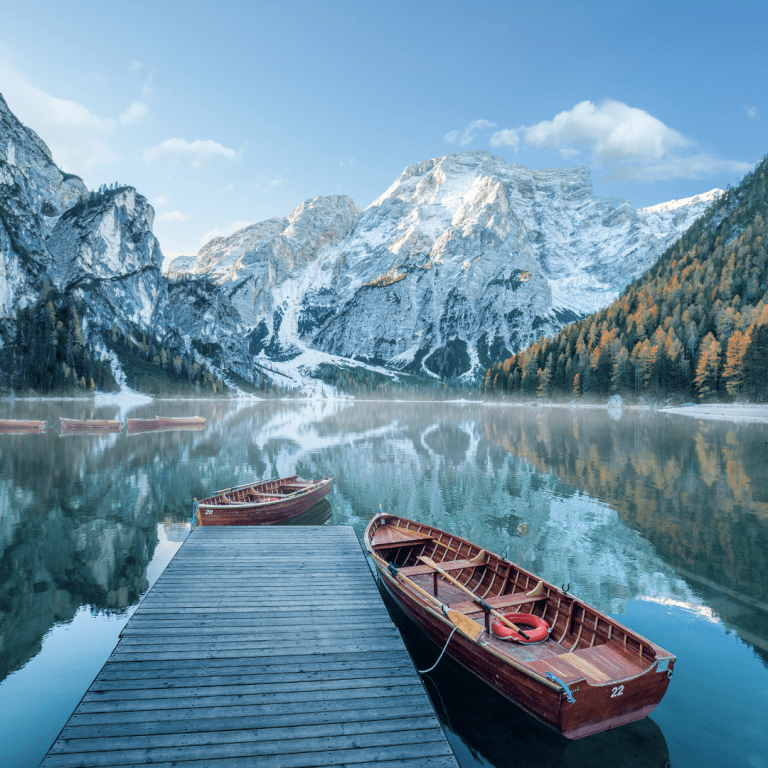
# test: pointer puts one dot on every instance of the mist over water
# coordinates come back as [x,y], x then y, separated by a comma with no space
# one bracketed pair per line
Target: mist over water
[660,520]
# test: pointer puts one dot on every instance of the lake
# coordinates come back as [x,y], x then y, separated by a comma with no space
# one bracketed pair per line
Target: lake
[657,519]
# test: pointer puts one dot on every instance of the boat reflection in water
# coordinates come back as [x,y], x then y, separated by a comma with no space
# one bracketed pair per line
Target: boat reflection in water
[485,729]
[318,514]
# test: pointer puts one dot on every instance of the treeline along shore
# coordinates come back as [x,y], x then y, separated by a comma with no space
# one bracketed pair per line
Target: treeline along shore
[695,325]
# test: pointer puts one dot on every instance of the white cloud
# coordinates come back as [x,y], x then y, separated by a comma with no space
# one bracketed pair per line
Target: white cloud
[135,66]
[507,137]
[264,183]
[159,200]
[75,136]
[225,231]
[172,216]
[135,112]
[751,112]
[451,136]
[627,142]
[202,152]
[613,132]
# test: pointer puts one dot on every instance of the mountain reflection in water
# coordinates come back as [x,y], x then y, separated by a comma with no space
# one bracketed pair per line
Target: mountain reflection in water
[626,507]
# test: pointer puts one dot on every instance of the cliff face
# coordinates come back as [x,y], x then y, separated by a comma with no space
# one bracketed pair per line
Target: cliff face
[97,249]
[34,194]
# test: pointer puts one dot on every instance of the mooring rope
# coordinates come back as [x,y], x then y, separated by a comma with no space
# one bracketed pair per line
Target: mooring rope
[424,671]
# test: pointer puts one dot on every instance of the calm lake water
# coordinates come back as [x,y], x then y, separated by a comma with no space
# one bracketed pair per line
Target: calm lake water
[659,520]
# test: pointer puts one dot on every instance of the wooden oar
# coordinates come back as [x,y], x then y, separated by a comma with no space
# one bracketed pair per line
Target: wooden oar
[468,626]
[432,564]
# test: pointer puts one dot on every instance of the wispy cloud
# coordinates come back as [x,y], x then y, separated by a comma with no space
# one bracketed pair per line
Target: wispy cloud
[469,132]
[626,142]
[751,112]
[135,66]
[135,112]
[225,231]
[264,183]
[172,216]
[507,137]
[201,152]
[159,200]
[75,136]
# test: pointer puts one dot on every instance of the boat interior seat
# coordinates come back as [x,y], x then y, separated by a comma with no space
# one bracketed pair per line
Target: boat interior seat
[502,601]
[596,667]
[453,565]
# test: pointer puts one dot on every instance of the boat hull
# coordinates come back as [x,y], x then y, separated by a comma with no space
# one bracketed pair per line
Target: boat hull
[20,427]
[161,423]
[209,512]
[597,706]
[90,425]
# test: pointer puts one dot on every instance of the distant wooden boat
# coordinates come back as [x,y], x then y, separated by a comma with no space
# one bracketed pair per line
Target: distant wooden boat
[163,423]
[9,425]
[90,425]
[265,503]
[563,661]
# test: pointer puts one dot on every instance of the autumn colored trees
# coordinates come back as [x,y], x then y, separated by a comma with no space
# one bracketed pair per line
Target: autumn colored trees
[696,324]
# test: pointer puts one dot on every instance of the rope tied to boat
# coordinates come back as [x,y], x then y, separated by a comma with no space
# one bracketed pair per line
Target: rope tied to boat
[564,685]
[442,653]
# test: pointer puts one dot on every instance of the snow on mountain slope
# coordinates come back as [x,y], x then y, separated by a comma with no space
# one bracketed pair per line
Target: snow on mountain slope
[463,259]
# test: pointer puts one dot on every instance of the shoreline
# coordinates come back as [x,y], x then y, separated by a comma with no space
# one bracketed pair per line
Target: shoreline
[754,413]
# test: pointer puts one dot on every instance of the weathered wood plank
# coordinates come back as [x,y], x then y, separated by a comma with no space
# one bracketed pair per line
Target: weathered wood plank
[336,706]
[110,728]
[258,646]
[430,740]
[205,736]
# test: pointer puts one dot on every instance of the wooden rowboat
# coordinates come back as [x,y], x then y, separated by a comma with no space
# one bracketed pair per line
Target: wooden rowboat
[265,503]
[163,423]
[8,425]
[586,674]
[90,425]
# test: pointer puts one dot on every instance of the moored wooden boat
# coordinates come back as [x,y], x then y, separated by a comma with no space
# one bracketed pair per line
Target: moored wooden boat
[11,425]
[90,425]
[265,503]
[164,423]
[586,674]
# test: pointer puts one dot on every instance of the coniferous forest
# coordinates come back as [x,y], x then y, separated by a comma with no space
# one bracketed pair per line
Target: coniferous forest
[694,326]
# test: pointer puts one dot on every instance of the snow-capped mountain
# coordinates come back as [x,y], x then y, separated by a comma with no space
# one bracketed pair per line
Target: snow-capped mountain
[462,260]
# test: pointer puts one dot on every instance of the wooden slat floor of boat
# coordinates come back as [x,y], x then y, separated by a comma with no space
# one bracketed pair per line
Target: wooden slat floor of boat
[259,646]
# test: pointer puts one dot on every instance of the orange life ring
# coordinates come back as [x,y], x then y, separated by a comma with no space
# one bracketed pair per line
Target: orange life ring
[534,626]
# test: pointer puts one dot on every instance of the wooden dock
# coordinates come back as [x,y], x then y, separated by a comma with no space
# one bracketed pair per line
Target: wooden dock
[258,646]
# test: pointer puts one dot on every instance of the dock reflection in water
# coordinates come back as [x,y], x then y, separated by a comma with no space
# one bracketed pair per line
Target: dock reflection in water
[487,730]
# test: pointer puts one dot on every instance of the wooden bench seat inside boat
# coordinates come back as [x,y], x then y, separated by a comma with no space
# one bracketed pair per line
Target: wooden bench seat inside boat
[451,565]
[596,665]
[389,536]
[502,601]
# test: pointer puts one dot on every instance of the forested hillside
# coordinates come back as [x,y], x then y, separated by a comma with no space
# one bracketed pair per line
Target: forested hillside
[695,325]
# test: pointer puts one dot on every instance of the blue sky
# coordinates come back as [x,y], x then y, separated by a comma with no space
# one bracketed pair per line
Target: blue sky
[227,115]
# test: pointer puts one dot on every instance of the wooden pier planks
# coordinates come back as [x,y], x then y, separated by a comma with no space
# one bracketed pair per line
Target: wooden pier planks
[265,646]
